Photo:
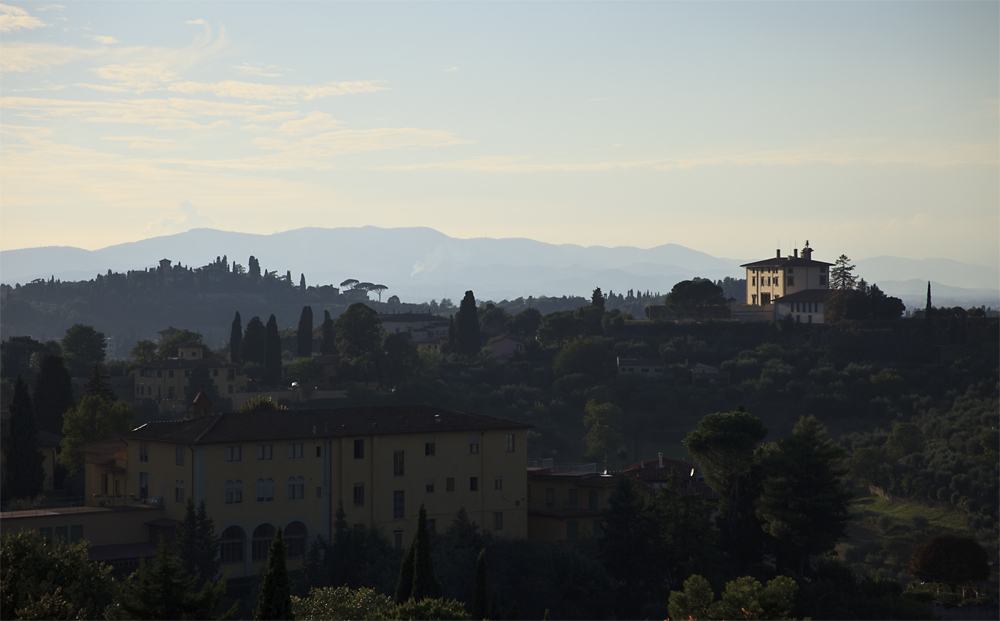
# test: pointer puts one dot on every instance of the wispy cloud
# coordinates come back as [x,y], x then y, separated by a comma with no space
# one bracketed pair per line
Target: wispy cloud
[197,22]
[14,18]
[452,69]
[274,92]
[143,142]
[261,70]
[137,77]
[189,219]
[312,123]
[106,40]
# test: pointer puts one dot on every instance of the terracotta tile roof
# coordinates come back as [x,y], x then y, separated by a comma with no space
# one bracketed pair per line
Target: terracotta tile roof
[107,446]
[786,262]
[325,423]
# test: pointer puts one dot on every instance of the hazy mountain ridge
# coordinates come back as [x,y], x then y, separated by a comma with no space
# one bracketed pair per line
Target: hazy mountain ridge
[419,263]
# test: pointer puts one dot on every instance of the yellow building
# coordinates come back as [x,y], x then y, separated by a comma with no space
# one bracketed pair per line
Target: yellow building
[566,502]
[292,469]
[165,380]
[800,278]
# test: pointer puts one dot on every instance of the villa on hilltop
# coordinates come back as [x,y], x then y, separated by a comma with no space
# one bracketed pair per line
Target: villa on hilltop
[780,287]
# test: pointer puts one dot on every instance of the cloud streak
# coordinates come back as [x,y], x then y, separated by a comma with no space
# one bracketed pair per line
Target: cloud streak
[14,18]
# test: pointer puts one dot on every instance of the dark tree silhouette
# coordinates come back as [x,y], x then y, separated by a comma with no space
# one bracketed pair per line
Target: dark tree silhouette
[236,340]
[22,473]
[272,353]
[53,394]
[304,335]
[254,338]
[467,338]
[952,559]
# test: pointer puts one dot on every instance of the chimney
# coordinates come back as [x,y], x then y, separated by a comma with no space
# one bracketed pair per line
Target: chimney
[807,252]
[661,459]
[796,253]
[778,253]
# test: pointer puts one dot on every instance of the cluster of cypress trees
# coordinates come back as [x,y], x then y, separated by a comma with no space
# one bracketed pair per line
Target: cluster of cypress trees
[258,344]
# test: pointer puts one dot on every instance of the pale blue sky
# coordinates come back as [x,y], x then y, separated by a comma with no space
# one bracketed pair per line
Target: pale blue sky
[732,128]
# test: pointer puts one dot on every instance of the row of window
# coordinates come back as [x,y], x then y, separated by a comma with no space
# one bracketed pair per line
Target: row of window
[295,489]
[232,548]
[265,452]
[62,534]
[147,391]
[230,374]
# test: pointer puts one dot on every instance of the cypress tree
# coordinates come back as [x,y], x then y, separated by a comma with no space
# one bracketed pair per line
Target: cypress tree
[196,544]
[236,340]
[53,394]
[275,599]
[253,341]
[452,338]
[305,333]
[425,585]
[329,345]
[162,591]
[405,585]
[22,473]
[467,326]
[302,282]
[479,597]
[927,308]
[272,353]
[98,387]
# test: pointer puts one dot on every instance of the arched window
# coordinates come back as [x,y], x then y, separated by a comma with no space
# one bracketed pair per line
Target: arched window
[295,539]
[296,488]
[234,492]
[265,490]
[232,545]
[262,538]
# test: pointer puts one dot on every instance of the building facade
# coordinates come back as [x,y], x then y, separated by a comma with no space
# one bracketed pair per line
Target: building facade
[165,381]
[293,469]
[771,280]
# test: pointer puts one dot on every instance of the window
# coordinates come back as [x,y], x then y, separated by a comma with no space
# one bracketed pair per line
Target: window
[265,490]
[359,494]
[319,451]
[498,482]
[234,453]
[397,539]
[296,488]
[791,281]
[234,492]
[510,443]
[449,484]
[187,373]
[295,450]
[75,533]
[822,280]
[179,491]
[592,500]
[179,455]
[170,392]
[429,446]
[572,529]
[473,444]
[295,539]
[550,497]
[159,373]
[397,463]
[473,484]
[262,538]
[571,501]
[359,449]
[498,520]
[397,505]
[143,485]
[430,486]
[144,451]
[62,534]
[46,533]
[265,452]
[171,374]
[232,545]
[775,281]
[230,389]
[231,374]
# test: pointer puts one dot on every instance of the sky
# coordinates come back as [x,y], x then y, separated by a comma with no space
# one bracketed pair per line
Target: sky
[867,128]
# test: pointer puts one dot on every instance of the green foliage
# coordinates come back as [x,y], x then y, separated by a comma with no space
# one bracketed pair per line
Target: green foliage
[83,346]
[425,585]
[359,341]
[480,604]
[905,439]
[98,387]
[525,323]
[275,598]
[430,608]
[93,419]
[200,380]
[41,580]
[169,348]
[271,375]
[261,403]
[593,357]
[304,335]
[328,345]
[743,598]
[404,588]
[804,504]
[196,544]
[558,327]
[689,539]
[143,352]
[254,339]
[236,340]
[603,424]
[22,472]
[343,603]
[694,601]
[305,371]
[15,356]
[842,274]
[163,591]
[629,548]
[467,337]
[400,360]
[692,297]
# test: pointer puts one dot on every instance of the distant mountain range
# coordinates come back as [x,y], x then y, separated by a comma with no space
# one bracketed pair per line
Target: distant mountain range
[419,264]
